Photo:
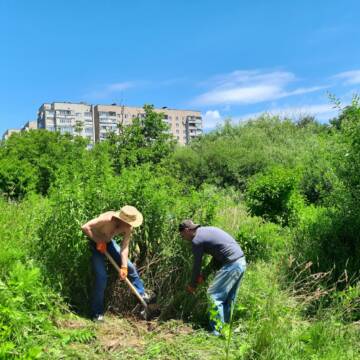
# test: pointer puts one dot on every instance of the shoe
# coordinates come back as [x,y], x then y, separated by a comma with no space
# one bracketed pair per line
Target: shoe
[215,333]
[98,318]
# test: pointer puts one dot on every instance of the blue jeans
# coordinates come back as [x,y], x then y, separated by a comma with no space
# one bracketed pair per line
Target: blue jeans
[99,268]
[224,288]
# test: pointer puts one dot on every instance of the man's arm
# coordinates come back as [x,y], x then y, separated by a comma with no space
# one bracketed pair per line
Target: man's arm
[198,254]
[124,254]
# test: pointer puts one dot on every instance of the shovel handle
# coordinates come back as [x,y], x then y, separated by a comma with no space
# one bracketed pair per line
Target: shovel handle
[129,284]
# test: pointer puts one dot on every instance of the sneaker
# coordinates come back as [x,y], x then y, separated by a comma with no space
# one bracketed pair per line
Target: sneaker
[215,333]
[98,318]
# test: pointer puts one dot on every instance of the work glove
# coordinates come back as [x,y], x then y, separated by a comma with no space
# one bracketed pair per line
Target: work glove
[123,273]
[101,247]
[200,279]
[190,289]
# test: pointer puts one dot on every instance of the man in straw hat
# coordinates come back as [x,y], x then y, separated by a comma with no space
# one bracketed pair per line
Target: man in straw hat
[227,253]
[102,230]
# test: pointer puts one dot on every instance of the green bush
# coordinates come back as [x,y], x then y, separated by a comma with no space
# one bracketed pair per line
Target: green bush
[268,194]
[261,240]
[26,309]
[29,160]
[19,224]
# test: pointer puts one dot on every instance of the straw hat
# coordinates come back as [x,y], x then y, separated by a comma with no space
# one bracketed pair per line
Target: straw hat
[130,215]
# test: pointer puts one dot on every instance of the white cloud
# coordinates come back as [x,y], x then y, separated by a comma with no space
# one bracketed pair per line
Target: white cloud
[110,89]
[320,111]
[349,77]
[248,87]
[211,119]
[119,86]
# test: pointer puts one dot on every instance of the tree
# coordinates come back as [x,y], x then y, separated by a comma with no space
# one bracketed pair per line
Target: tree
[38,154]
[146,140]
[79,126]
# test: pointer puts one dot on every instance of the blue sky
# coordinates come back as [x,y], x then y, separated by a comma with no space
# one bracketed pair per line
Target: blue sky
[225,58]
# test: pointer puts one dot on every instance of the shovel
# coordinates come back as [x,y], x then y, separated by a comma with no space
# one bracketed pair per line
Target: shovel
[131,286]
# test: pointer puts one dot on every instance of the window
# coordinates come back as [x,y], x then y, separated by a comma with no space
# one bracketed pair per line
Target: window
[66,129]
[87,113]
[64,112]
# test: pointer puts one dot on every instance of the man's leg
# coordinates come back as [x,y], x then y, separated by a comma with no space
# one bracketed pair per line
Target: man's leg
[114,250]
[239,270]
[226,280]
[218,292]
[98,290]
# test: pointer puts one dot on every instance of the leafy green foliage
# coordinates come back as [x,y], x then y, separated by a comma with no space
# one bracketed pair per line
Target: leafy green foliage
[260,239]
[234,153]
[268,194]
[19,224]
[84,194]
[302,204]
[25,311]
[146,140]
[29,160]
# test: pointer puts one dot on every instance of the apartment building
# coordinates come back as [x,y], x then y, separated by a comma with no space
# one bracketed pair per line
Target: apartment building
[30,125]
[9,132]
[66,117]
[96,121]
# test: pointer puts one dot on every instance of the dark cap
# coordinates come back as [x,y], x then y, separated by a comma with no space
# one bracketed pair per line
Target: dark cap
[188,224]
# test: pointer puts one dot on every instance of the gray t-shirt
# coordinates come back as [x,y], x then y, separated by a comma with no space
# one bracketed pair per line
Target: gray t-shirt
[216,242]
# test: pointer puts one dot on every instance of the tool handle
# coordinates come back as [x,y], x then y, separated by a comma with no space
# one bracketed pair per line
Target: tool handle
[129,284]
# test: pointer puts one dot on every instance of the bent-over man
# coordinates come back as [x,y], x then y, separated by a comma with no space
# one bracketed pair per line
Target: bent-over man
[102,230]
[228,254]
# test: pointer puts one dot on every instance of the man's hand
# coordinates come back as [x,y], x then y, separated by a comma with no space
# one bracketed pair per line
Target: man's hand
[123,273]
[190,289]
[200,279]
[101,246]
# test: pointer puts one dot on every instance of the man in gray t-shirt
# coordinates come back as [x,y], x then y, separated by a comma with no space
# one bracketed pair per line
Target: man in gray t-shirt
[226,252]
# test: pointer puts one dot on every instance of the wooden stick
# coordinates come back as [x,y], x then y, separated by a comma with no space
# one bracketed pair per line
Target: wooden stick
[129,284]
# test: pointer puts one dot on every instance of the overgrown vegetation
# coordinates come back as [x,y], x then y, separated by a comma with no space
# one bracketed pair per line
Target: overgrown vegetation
[287,191]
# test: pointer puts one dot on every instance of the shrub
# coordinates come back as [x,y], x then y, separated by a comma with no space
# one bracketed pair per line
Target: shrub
[26,307]
[19,224]
[326,238]
[30,160]
[267,194]
[261,240]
